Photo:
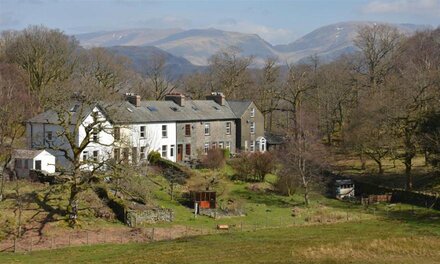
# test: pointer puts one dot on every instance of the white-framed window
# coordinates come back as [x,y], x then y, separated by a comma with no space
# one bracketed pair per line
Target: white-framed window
[95,155]
[164,151]
[252,128]
[142,132]
[172,150]
[252,112]
[164,131]
[252,148]
[143,154]
[206,147]
[49,135]
[228,145]
[207,129]
[221,145]
[228,128]
[85,155]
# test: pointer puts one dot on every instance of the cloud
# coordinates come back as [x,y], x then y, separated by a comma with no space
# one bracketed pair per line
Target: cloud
[165,22]
[419,7]
[270,34]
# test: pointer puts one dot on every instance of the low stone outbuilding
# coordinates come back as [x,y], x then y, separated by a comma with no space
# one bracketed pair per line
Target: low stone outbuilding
[26,160]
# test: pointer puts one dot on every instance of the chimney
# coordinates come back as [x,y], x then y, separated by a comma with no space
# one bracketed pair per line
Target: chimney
[133,99]
[177,98]
[218,97]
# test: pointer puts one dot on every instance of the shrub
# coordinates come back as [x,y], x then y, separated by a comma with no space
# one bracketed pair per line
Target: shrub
[253,166]
[215,159]
[154,157]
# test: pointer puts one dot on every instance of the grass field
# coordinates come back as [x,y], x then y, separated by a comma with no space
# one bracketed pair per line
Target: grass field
[373,241]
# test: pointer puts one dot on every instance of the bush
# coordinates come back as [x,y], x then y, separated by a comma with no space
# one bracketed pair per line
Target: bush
[153,157]
[215,159]
[253,166]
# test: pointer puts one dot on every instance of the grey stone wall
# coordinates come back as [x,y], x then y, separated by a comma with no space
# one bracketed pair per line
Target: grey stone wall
[198,137]
[245,127]
[149,216]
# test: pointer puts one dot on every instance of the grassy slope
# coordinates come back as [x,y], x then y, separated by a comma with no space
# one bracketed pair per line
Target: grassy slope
[371,241]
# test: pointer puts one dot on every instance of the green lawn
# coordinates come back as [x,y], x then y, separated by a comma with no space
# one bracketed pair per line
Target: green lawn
[372,241]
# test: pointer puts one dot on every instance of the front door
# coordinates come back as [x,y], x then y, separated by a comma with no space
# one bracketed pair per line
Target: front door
[179,152]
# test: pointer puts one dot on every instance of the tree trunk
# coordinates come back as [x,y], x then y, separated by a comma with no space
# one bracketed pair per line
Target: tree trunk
[408,174]
[379,164]
[73,206]
[306,196]
[363,161]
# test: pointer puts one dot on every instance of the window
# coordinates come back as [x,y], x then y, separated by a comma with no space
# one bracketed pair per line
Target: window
[188,149]
[95,155]
[49,135]
[142,132]
[134,155]
[142,156]
[172,150]
[125,154]
[228,145]
[164,131]
[26,164]
[38,165]
[117,133]
[252,112]
[214,145]
[18,163]
[187,130]
[164,151]
[95,135]
[207,129]
[228,128]
[221,145]
[206,148]
[252,149]
[85,155]
[117,154]
[252,128]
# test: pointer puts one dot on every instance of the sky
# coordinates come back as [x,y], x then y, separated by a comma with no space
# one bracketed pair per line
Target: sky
[276,21]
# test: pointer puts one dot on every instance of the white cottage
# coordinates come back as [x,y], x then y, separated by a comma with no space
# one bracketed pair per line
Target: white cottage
[26,160]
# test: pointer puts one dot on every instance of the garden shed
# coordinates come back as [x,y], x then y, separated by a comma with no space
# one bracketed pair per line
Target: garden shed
[26,160]
[204,199]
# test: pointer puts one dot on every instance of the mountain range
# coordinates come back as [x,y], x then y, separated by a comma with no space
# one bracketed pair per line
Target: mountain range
[191,49]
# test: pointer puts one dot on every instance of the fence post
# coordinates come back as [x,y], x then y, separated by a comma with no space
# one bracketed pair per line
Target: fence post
[15,244]
[152,234]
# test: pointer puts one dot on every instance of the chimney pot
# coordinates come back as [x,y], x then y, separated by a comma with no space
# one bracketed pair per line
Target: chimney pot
[177,98]
[133,99]
[218,97]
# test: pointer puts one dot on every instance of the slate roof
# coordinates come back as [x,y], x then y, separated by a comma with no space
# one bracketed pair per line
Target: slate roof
[51,116]
[26,153]
[239,107]
[168,111]
[274,139]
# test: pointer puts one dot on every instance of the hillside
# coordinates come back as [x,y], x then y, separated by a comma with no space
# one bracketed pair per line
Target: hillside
[140,57]
[198,45]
